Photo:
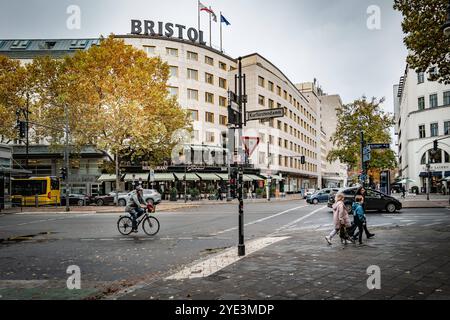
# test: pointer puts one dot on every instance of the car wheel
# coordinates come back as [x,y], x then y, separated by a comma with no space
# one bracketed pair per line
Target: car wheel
[390,208]
[315,201]
[100,202]
[122,203]
[80,203]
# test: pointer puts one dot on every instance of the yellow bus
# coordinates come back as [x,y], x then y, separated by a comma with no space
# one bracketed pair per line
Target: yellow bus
[33,191]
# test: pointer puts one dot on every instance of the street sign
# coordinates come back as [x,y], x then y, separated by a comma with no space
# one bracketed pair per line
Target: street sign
[265,114]
[374,146]
[366,154]
[250,144]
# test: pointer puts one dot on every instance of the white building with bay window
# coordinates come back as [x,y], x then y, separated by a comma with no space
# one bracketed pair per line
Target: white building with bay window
[422,114]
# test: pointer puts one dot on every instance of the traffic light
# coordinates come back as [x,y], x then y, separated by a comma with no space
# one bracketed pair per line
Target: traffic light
[22,129]
[435,146]
[63,172]
[302,160]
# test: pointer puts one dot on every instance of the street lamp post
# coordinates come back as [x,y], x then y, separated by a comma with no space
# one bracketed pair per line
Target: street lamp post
[429,181]
[446,25]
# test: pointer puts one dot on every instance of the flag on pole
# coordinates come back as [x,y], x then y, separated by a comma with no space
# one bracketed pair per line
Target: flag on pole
[224,20]
[202,7]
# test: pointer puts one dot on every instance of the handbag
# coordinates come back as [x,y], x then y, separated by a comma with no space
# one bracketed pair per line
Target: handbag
[343,232]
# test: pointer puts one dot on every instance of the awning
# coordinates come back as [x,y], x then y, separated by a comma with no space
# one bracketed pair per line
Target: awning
[447,174]
[433,173]
[164,177]
[208,176]
[273,177]
[223,176]
[253,177]
[189,176]
[137,176]
[107,178]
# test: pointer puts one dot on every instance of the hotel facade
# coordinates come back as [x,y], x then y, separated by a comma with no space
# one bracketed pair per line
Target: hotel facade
[200,78]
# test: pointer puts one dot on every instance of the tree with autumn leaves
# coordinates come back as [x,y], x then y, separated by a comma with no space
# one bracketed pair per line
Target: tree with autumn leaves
[114,96]
[367,116]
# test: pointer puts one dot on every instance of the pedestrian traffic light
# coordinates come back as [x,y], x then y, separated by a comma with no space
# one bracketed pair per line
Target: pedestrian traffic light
[63,172]
[22,129]
[302,160]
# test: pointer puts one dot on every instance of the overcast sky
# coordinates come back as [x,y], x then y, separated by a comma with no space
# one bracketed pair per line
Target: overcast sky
[324,39]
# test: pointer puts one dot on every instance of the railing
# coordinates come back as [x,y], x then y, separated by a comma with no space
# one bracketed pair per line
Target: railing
[34,201]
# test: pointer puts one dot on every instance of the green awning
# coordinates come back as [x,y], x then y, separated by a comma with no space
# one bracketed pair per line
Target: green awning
[254,177]
[164,177]
[129,177]
[189,176]
[223,176]
[107,178]
[208,176]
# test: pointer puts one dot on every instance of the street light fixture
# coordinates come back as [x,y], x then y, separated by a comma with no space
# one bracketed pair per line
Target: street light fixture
[446,25]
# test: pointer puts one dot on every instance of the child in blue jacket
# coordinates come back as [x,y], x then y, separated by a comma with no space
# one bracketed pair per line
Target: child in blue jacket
[359,217]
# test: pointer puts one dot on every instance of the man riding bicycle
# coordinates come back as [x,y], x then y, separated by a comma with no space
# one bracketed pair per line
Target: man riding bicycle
[135,206]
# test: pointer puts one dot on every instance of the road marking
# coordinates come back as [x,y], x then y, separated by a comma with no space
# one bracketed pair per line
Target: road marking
[258,221]
[298,220]
[214,264]
[432,224]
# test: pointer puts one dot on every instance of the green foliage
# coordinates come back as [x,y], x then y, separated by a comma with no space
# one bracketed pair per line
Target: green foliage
[374,122]
[428,46]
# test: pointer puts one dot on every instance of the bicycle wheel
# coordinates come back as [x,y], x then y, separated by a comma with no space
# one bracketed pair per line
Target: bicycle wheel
[150,225]
[125,225]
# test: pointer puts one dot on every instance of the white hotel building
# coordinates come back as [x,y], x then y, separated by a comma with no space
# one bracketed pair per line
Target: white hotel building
[422,114]
[200,78]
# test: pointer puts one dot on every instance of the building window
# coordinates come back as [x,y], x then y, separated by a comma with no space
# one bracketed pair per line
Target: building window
[420,77]
[270,86]
[209,78]
[172,52]
[173,91]
[192,94]
[149,50]
[193,115]
[209,60]
[209,117]
[279,91]
[192,56]
[271,104]
[222,101]
[174,71]
[222,83]
[285,95]
[261,81]
[433,100]
[421,103]
[192,74]
[222,66]
[446,98]
[423,160]
[210,137]
[223,120]
[261,100]
[209,97]
[434,128]
[435,158]
[447,127]
[422,131]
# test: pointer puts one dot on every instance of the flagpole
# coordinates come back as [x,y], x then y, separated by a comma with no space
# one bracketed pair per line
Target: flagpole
[221,31]
[210,42]
[198,12]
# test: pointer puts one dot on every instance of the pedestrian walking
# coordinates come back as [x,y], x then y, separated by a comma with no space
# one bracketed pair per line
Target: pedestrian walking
[359,217]
[403,192]
[341,220]
[219,193]
[250,193]
[362,192]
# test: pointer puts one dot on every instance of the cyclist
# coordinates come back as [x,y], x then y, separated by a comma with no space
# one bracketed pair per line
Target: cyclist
[135,206]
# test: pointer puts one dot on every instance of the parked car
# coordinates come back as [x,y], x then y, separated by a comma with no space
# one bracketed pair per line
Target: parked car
[375,200]
[105,200]
[308,192]
[149,195]
[76,199]
[321,195]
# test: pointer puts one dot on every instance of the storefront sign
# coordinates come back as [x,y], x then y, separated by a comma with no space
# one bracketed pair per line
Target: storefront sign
[170,30]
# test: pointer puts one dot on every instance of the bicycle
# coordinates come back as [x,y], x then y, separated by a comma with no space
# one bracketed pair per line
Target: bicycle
[150,225]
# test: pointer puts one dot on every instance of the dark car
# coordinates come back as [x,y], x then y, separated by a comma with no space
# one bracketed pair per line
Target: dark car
[321,195]
[106,200]
[76,199]
[375,200]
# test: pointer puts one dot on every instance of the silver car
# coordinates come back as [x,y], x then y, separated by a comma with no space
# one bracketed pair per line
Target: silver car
[149,195]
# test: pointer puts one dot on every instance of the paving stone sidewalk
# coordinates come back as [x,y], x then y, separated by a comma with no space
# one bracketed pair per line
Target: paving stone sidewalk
[414,263]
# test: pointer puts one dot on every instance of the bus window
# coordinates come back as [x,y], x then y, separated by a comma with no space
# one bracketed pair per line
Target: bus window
[54,184]
[29,187]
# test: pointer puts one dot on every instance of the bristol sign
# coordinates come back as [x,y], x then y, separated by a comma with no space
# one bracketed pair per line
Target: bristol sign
[170,30]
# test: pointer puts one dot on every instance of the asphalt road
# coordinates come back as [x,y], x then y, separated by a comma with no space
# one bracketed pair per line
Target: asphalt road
[37,249]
